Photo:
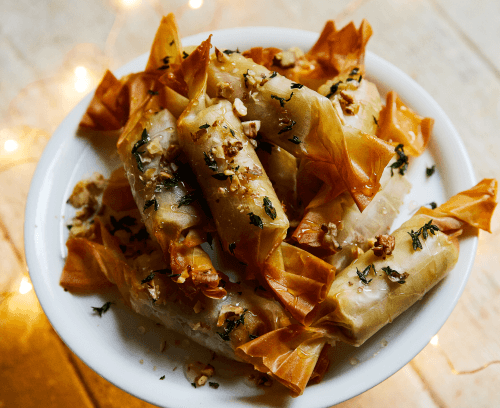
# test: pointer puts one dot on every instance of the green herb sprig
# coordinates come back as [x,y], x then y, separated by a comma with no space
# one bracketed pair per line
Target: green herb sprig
[402,162]
[103,309]
[282,100]
[423,231]
[362,275]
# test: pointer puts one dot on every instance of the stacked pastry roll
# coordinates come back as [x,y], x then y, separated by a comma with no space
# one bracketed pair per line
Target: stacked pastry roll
[289,163]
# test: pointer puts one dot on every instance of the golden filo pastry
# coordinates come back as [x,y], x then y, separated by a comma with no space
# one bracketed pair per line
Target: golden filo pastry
[248,215]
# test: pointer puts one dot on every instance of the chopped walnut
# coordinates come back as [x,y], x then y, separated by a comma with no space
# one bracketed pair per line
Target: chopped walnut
[384,245]
[228,310]
[218,152]
[251,127]
[86,191]
[231,149]
[154,147]
[348,103]
[329,239]
[224,90]
[239,107]
[285,59]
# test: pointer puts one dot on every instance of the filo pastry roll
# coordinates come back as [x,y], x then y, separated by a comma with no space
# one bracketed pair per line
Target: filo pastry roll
[302,122]
[248,215]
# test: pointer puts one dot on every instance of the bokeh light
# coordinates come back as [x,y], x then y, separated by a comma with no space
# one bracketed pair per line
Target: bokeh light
[10,145]
[25,286]
[195,4]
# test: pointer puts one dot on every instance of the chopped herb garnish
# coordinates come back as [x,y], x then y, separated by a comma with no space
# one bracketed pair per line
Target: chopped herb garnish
[168,183]
[149,203]
[221,176]
[103,309]
[229,52]
[213,385]
[362,275]
[287,128]
[295,140]
[429,171]
[232,132]
[69,226]
[395,276]
[354,72]
[193,384]
[360,78]
[282,100]
[231,325]
[152,92]
[350,79]
[162,377]
[210,161]
[273,74]
[433,205]
[376,122]
[171,42]
[232,247]
[205,126]
[269,209]
[296,86]
[164,67]
[252,336]
[148,278]
[256,220]
[334,88]
[144,139]
[424,231]
[184,54]
[402,162]
[187,199]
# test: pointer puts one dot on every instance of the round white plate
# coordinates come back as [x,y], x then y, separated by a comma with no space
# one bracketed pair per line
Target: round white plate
[113,346]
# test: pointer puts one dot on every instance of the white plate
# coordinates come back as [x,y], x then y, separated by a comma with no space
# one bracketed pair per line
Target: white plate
[112,345]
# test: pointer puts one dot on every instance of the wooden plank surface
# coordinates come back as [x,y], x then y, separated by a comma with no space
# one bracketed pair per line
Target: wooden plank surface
[450,48]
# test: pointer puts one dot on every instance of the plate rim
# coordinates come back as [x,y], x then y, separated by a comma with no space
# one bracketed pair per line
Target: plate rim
[318,395]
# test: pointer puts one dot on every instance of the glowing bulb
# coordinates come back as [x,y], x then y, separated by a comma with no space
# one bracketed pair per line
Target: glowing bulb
[129,3]
[10,145]
[25,286]
[195,4]
[434,340]
[82,80]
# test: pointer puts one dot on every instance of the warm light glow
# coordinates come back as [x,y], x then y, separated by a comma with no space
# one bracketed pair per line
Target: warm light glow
[130,3]
[195,4]
[10,145]
[82,79]
[434,340]
[25,286]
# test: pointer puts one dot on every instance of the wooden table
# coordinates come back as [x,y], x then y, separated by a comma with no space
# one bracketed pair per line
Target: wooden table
[450,48]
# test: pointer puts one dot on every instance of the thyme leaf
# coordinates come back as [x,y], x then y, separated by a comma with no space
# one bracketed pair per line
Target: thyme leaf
[282,100]
[205,126]
[334,88]
[402,162]
[213,385]
[362,275]
[168,183]
[425,230]
[354,71]
[148,278]
[395,276]
[231,325]
[186,200]
[296,86]
[210,161]
[184,54]
[295,140]
[103,309]
[273,74]
[256,220]
[149,203]
[269,209]
[429,171]
[376,122]
[287,128]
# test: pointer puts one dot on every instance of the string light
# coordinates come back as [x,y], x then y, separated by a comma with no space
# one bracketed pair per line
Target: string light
[434,341]
[82,79]
[25,286]
[10,145]
[195,4]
